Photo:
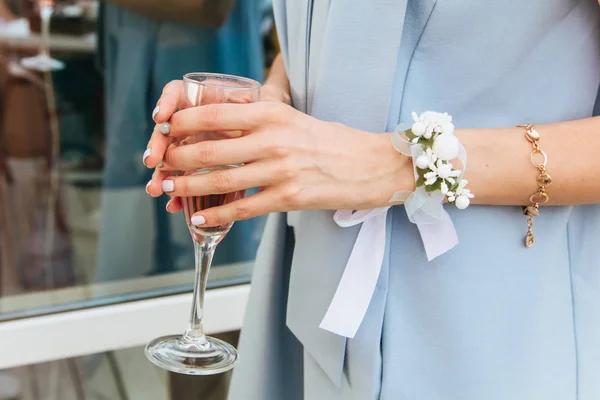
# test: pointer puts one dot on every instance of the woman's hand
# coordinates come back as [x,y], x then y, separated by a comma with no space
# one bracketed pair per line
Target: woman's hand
[277,85]
[299,162]
[274,93]
[276,89]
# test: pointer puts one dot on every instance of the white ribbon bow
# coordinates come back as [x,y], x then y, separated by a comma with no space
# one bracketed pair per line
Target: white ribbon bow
[357,285]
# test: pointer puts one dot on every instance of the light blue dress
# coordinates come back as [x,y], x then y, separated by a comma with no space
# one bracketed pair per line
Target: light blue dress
[489,320]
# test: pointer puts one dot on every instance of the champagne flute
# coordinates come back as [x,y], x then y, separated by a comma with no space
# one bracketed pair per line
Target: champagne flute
[194,353]
[43,62]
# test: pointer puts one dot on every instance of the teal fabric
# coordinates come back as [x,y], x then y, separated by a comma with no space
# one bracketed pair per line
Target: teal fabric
[490,319]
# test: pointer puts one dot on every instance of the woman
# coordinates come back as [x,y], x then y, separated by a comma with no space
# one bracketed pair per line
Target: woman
[489,319]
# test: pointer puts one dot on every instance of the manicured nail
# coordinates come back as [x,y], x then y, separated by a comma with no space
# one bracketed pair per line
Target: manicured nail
[148,185]
[168,186]
[165,128]
[156,110]
[168,205]
[160,164]
[198,220]
[147,154]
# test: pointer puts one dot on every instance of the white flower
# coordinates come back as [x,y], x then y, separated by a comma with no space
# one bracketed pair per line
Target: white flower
[431,122]
[461,193]
[462,202]
[444,189]
[443,171]
[447,128]
[429,132]
[419,128]
[430,178]
[426,158]
[446,146]
[435,118]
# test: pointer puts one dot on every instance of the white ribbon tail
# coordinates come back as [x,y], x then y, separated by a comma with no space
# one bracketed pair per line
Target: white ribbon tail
[438,237]
[347,218]
[425,209]
[357,285]
[355,290]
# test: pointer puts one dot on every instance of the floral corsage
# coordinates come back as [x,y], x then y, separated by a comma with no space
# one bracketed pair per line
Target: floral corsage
[432,143]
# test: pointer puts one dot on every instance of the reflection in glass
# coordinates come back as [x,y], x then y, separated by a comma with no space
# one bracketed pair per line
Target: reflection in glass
[43,62]
[77,229]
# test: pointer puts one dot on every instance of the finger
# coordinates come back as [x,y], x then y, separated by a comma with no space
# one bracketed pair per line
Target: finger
[154,186]
[174,205]
[220,181]
[169,102]
[155,152]
[227,117]
[212,153]
[248,207]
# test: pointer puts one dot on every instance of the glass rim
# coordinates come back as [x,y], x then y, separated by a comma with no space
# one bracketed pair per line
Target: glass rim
[254,85]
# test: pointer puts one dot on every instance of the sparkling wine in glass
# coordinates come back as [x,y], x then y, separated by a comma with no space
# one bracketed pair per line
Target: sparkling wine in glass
[193,204]
[42,61]
[194,353]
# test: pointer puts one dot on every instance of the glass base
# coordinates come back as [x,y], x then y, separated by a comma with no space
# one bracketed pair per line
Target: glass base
[174,354]
[42,63]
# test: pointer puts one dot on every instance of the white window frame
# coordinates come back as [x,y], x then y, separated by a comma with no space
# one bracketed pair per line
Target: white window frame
[113,327]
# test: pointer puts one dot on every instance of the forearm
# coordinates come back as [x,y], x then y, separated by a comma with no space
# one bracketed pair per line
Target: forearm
[500,171]
[5,12]
[207,13]
[277,83]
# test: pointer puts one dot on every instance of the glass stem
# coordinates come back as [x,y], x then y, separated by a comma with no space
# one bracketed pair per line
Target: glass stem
[45,15]
[203,254]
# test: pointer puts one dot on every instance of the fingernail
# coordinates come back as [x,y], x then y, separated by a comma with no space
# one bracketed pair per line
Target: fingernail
[165,128]
[148,185]
[160,164]
[168,204]
[168,186]
[198,220]
[146,155]
[156,110]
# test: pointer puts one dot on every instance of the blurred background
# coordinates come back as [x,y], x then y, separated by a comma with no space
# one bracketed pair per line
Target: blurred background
[77,229]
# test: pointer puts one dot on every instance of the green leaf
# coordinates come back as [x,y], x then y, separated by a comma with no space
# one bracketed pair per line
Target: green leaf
[426,142]
[436,186]
[409,134]
[421,181]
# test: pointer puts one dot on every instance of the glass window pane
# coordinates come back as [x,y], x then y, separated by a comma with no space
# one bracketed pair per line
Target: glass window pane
[77,228]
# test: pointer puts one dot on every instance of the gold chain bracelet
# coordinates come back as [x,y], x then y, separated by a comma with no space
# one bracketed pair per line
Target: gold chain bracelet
[539,160]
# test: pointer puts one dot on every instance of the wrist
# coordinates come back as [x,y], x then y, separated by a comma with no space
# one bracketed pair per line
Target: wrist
[394,170]
[275,92]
